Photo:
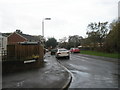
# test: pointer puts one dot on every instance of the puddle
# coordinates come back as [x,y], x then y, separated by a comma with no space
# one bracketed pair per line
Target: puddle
[20,84]
[79,78]
[78,67]
[85,79]
[80,73]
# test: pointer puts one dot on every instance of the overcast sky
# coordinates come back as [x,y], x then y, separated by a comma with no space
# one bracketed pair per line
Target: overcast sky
[68,17]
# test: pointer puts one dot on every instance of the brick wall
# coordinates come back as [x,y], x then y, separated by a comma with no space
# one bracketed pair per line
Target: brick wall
[14,38]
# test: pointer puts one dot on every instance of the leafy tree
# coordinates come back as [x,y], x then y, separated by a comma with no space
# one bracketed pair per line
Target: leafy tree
[63,43]
[112,42]
[86,44]
[97,32]
[63,39]
[51,42]
[74,41]
[93,38]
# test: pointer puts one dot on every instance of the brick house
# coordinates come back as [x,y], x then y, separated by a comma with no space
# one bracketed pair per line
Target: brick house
[18,36]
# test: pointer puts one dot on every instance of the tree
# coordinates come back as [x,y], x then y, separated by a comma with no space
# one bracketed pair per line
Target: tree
[97,32]
[51,42]
[93,38]
[63,39]
[63,43]
[74,41]
[86,44]
[112,44]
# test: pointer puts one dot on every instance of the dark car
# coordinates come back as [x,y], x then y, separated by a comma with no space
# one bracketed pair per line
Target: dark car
[53,51]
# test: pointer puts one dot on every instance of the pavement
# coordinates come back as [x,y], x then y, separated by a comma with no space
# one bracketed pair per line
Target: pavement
[51,75]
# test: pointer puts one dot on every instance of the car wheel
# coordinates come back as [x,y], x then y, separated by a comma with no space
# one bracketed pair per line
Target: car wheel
[68,57]
[56,57]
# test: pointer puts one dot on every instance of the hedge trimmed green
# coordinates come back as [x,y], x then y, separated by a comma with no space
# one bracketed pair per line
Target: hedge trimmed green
[111,55]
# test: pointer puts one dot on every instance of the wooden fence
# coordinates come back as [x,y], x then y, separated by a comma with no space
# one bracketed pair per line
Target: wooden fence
[25,52]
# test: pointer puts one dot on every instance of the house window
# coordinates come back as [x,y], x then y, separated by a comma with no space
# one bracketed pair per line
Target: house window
[0,42]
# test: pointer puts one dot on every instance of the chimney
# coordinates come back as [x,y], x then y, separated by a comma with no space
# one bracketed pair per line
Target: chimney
[18,31]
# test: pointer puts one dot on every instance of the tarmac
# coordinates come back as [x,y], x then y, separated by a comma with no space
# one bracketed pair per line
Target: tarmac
[51,75]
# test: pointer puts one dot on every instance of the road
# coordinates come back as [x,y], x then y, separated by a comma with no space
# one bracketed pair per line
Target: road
[91,71]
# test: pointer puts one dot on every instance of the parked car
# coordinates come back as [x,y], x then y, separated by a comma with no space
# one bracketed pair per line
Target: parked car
[47,50]
[62,53]
[53,51]
[75,50]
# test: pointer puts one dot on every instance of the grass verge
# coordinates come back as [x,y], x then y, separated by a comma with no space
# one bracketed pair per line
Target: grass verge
[110,55]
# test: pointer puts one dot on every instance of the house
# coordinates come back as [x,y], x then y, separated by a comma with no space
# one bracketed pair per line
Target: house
[0,44]
[3,42]
[18,36]
[0,41]
[3,45]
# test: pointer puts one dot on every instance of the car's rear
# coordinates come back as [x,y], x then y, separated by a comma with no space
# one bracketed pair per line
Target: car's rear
[75,50]
[62,53]
[53,51]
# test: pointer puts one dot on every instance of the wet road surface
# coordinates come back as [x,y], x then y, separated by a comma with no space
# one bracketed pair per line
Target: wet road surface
[91,72]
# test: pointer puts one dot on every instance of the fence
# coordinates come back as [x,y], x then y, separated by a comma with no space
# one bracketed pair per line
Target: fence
[18,54]
[25,52]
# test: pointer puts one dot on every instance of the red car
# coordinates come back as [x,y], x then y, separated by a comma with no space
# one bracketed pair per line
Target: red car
[75,50]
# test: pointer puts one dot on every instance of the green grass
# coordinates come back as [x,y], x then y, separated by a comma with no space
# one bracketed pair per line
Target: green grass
[111,55]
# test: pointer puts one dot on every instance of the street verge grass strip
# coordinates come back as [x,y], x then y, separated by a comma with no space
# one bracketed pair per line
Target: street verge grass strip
[110,55]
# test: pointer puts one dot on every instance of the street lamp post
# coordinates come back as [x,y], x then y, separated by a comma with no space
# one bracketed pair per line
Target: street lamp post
[43,29]
[43,25]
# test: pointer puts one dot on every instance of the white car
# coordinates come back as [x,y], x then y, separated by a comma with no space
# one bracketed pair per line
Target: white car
[62,53]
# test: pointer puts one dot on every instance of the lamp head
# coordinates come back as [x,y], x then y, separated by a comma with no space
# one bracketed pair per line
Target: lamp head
[47,18]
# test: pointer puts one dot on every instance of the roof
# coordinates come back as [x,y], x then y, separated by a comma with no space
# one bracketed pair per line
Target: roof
[6,34]
[26,36]
[29,43]
[29,37]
